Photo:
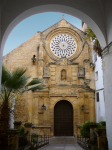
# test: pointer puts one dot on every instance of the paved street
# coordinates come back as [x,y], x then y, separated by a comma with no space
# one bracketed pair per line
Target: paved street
[62,143]
[62,147]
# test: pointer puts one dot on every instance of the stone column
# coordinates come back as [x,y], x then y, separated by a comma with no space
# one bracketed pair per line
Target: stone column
[13,138]
[17,124]
[107,70]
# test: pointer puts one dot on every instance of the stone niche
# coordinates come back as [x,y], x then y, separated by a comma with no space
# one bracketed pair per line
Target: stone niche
[81,72]
[46,72]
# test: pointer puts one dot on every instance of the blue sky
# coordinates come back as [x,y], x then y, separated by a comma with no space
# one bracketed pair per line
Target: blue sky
[39,22]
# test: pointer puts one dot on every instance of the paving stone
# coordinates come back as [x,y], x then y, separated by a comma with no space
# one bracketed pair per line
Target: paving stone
[62,143]
[62,147]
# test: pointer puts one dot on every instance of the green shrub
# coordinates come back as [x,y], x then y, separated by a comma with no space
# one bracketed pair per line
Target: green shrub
[21,130]
[85,130]
[103,123]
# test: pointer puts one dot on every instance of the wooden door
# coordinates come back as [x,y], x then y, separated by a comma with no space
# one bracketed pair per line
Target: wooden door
[63,119]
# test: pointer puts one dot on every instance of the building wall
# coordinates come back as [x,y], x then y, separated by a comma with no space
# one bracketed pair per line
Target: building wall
[99,88]
[77,87]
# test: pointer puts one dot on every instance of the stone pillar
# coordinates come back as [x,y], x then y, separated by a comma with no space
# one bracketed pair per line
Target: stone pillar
[101,138]
[40,60]
[13,138]
[78,129]
[35,109]
[92,127]
[28,128]
[107,70]
[17,124]
[92,107]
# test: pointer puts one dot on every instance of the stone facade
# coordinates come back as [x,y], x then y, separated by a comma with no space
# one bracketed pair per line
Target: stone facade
[70,79]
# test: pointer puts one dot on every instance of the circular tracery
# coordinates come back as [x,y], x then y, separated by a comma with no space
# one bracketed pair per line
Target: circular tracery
[63,45]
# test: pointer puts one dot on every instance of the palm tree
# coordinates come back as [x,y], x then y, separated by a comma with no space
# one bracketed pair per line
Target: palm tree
[13,82]
[92,37]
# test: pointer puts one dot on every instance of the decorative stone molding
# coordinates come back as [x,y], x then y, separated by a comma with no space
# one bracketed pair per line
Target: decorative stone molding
[41,59]
[63,62]
[28,125]
[86,60]
[52,63]
[73,63]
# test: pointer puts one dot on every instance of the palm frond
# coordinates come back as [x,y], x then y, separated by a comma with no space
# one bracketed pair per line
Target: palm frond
[34,88]
[18,79]
[34,81]
[5,75]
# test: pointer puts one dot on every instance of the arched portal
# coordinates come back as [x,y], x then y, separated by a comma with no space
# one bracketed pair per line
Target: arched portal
[63,119]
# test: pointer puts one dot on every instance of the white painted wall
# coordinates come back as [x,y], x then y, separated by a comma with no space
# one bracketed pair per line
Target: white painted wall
[99,87]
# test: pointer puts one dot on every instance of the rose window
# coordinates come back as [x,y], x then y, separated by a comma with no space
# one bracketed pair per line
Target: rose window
[63,45]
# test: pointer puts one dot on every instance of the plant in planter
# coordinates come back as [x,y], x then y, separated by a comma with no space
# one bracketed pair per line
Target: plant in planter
[85,130]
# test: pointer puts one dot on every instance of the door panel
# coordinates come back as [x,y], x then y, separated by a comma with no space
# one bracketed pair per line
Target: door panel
[63,119]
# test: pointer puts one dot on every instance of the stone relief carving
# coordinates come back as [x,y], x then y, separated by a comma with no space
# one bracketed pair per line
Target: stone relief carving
[46,72]
[81,72]
[63,74]
[63,61]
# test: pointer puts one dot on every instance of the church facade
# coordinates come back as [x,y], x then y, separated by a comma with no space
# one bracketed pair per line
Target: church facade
[63,59]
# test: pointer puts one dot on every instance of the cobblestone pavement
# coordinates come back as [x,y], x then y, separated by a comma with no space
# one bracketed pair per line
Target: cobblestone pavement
[62,143]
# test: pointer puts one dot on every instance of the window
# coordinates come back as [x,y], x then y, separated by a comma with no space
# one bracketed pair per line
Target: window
[95,58]
[96,75]
[97,96]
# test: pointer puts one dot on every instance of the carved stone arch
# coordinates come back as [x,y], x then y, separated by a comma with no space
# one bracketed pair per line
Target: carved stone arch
[63,98]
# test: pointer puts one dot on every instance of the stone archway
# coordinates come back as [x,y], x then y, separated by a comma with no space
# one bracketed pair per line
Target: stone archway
[63,119]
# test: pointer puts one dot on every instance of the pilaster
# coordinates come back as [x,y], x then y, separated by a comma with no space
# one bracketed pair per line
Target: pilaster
[40,60]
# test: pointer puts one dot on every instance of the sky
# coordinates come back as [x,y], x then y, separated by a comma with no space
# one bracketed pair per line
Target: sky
[39,22]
